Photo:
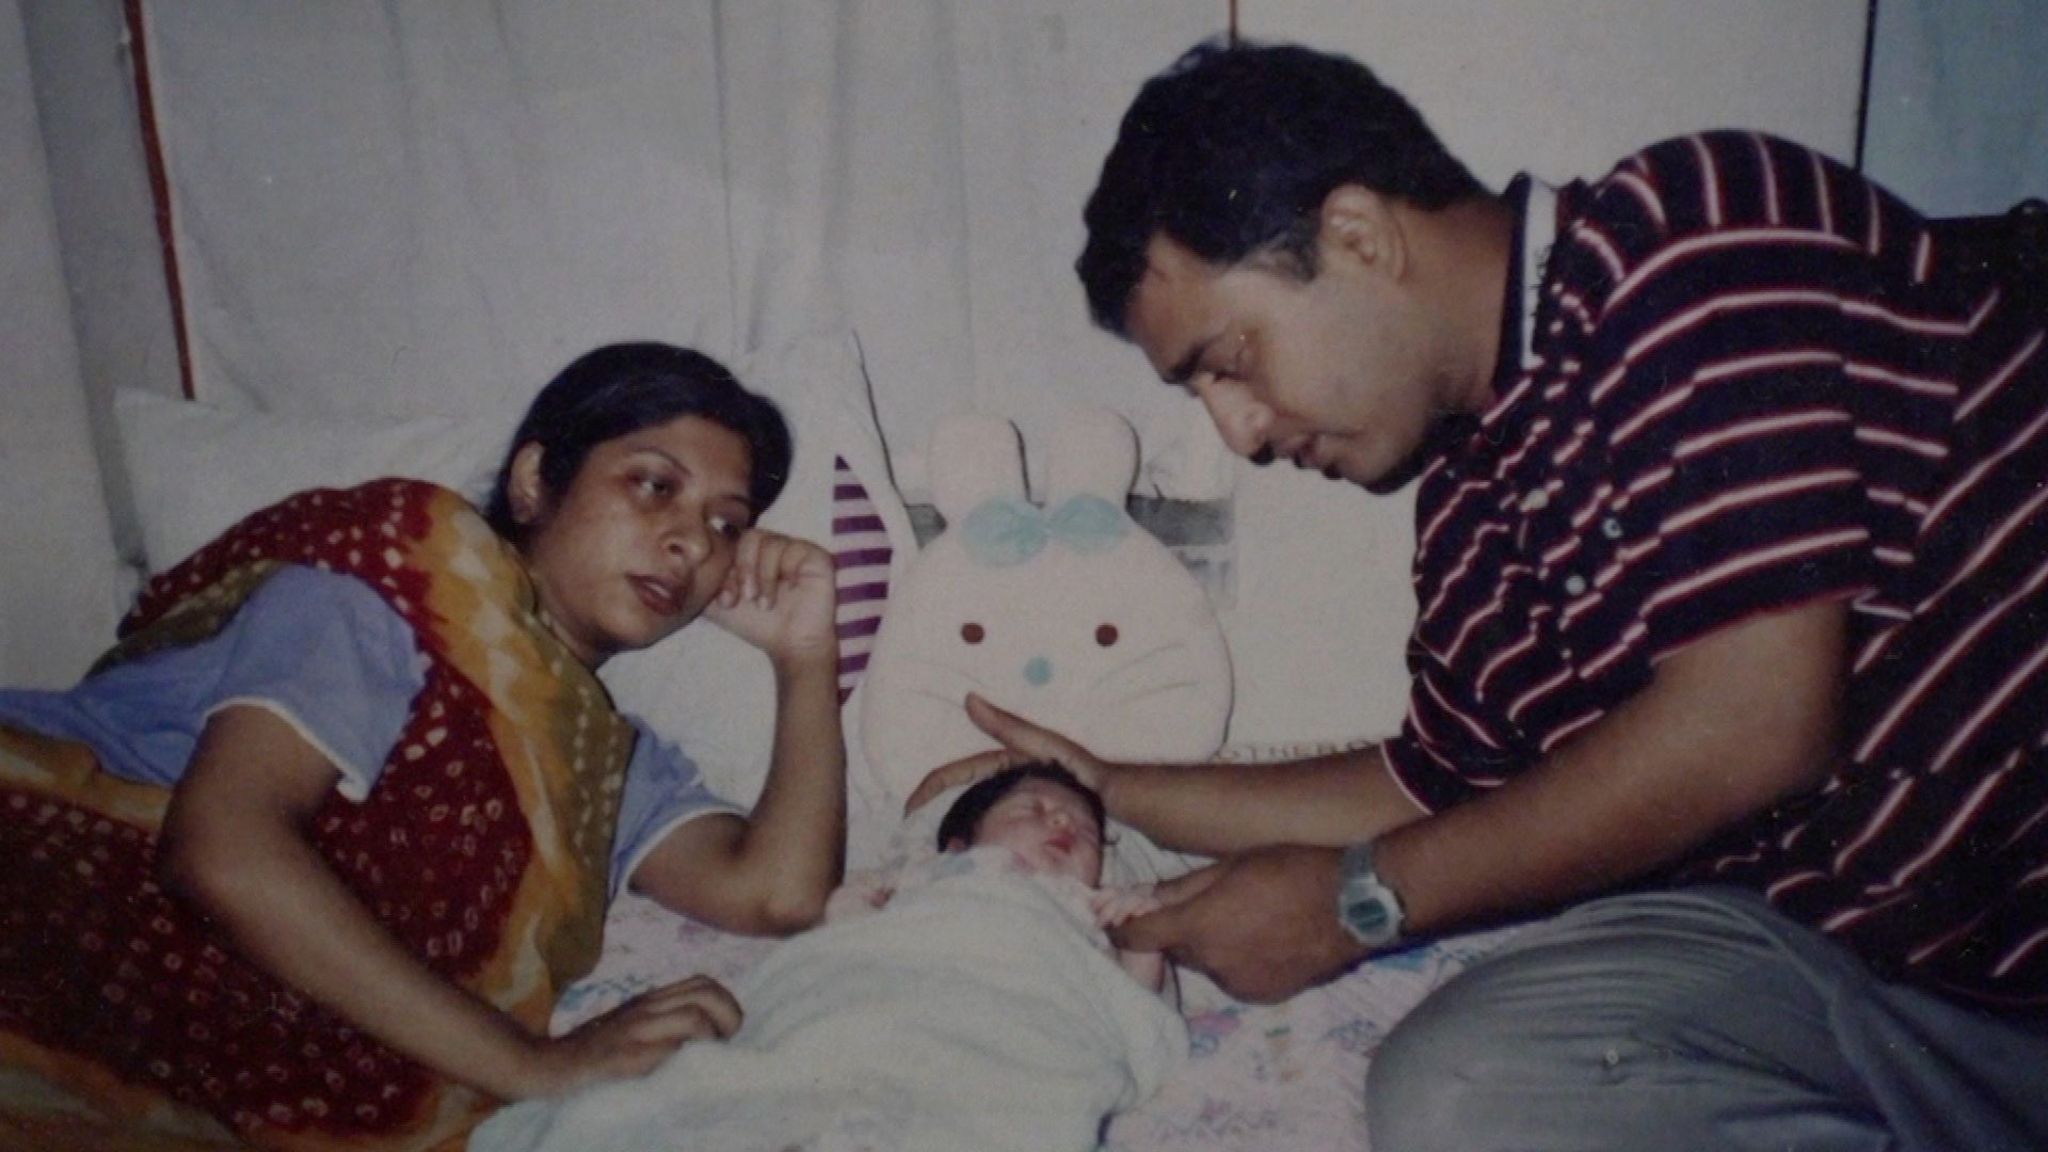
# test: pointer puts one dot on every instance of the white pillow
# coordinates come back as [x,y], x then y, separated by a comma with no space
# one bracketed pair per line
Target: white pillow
[198,468]
[195,469]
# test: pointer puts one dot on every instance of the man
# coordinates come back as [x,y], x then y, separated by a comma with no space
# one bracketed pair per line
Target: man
[1730,637]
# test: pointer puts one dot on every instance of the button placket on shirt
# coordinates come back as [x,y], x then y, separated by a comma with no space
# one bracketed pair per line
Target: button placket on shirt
[1545,530]
[1597,547]
[1596,551]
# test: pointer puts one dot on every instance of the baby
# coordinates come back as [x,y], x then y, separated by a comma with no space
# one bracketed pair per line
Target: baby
[969,999]
[1052,826]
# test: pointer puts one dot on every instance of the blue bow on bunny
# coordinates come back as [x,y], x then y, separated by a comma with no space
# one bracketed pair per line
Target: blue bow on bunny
[1001,532]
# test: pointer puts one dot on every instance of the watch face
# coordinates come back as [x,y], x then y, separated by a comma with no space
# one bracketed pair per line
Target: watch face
[1366,907]
[1369,919]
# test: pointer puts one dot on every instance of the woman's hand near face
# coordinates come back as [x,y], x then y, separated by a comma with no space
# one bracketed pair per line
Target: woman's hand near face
[778,596]
[772,871]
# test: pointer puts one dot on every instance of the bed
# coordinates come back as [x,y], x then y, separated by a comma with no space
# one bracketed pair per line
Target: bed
[1258,1077]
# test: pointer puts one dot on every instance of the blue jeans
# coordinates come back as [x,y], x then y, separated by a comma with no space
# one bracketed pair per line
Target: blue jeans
[1699,1019]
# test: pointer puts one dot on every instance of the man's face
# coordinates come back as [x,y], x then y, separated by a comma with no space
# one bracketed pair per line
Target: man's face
[1333,373]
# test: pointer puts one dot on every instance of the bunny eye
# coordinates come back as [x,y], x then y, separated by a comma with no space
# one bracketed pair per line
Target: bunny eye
[1105,634]
[972,633]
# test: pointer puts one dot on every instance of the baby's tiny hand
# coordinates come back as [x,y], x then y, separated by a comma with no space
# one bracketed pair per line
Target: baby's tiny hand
[1113,906]
[863,893]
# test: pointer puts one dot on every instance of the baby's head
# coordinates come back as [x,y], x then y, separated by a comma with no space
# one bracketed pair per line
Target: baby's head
[1040,812]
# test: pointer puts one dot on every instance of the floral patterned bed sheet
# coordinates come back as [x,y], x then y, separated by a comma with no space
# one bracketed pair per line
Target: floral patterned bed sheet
[1258,1077]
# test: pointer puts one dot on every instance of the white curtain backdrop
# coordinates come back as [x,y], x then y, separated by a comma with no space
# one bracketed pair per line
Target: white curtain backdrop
[420,208]
[60,586]
[916,169]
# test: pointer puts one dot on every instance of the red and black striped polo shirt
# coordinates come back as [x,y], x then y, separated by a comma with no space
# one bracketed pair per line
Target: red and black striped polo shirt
[1755,380]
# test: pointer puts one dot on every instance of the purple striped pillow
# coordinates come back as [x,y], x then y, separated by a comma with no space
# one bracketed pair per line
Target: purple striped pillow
[860,564]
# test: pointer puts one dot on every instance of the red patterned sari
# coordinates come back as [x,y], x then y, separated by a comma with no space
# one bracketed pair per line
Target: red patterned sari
[127,1022]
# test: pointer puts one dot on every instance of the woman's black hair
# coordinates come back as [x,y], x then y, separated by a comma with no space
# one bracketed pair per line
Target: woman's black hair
[620,389]
[1232,150]
[963,819]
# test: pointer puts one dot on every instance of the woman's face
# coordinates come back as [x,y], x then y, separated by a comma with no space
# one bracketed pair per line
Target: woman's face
[1049,827]
[642,540]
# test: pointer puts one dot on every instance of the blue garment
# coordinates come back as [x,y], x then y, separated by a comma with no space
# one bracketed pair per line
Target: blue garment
[329,656]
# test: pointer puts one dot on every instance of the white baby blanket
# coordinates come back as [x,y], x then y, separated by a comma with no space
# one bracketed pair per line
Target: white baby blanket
[979,1012]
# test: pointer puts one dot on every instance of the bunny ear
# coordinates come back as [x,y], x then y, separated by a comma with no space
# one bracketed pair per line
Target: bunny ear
[972,458]
[1094,453]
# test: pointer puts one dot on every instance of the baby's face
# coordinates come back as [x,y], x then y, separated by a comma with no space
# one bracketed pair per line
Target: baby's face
[1049,827]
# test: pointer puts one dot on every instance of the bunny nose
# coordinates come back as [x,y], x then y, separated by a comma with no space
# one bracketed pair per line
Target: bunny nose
[1037,671]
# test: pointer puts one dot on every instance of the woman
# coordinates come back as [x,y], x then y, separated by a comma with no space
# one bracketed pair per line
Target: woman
[308,857]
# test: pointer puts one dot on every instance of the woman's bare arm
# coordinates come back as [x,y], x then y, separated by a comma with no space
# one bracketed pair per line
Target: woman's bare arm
[771,873]
[234,845]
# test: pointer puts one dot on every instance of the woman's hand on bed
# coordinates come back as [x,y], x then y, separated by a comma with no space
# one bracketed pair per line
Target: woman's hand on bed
[1263,924]
[1022,742]
[778,596]
[631,1039]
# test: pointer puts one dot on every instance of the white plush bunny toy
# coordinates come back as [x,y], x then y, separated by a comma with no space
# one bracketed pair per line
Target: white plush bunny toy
[1065,611]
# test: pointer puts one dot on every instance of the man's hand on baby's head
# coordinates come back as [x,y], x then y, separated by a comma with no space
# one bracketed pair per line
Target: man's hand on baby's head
[961,773]
[1022,742]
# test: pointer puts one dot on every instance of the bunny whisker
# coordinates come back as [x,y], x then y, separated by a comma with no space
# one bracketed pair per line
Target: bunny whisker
[1154,690]
[1129,665]
[956,678]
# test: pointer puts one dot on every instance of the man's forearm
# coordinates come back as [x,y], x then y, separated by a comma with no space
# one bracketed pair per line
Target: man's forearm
[1220,808]
[1732,724]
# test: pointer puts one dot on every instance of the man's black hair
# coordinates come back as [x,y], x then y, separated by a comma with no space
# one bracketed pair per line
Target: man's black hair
[963,819]
[1232,150]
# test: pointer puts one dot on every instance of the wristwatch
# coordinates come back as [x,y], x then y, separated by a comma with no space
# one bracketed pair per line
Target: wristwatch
[1366,907]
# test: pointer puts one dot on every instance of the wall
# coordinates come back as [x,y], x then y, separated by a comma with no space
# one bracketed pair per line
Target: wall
[82,63]
[59,594]
[1958,120]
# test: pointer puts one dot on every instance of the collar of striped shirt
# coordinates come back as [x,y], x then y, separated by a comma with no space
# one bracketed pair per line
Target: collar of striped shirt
[1535,207]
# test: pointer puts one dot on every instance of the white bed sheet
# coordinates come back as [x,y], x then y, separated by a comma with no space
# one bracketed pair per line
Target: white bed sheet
[1258,1077]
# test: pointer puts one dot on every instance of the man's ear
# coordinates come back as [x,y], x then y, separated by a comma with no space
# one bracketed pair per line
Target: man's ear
[1361,224]
[526,492]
